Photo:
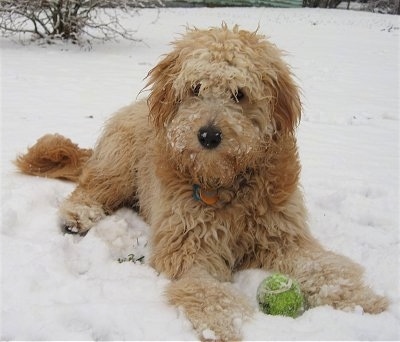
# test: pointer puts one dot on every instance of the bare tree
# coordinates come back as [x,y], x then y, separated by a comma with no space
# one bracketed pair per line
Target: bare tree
[67,19]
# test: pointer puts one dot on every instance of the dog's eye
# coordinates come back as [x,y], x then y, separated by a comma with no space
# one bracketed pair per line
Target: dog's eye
[196,89]
[238,96]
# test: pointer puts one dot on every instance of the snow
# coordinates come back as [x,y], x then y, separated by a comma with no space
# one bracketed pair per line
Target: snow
[57,286]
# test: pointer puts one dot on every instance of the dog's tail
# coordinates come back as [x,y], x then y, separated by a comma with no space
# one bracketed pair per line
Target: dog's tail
[54,156]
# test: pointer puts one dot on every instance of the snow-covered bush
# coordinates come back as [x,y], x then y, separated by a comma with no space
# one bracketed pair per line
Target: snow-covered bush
[384,6]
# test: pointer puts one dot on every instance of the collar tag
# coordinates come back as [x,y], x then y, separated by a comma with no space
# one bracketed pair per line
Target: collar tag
[207,197]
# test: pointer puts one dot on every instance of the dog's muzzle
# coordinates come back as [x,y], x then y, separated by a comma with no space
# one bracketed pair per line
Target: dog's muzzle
[209,136]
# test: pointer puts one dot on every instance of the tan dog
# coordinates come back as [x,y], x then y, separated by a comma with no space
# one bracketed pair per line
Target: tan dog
[211,163]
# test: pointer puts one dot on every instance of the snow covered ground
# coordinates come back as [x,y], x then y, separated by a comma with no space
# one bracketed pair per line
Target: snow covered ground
[57,286]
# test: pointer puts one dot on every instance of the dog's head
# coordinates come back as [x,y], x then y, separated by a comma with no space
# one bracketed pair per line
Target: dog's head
[218,99]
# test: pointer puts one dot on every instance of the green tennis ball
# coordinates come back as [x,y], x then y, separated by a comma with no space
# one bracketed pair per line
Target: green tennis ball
[280,295]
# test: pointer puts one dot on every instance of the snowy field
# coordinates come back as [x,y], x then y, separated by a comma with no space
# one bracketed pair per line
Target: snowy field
[64,287]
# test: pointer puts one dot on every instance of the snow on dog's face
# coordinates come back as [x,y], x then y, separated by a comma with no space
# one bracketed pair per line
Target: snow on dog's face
[218,99]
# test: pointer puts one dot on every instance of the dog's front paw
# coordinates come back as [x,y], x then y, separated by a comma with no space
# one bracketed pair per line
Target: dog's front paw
[77,218]
[363,296]
[345,297]
[215,309]
[330,279]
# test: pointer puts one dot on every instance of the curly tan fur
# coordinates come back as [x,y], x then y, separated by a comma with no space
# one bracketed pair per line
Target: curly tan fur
[237,83]
[54,156]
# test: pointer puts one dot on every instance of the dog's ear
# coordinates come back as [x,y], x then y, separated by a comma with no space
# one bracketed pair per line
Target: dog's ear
[286,100]
[162,100]
[280,90]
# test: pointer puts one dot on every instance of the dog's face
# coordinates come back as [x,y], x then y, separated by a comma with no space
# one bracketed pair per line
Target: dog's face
[218,100]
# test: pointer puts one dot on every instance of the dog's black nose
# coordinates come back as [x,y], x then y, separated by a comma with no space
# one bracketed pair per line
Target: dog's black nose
[209,136]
